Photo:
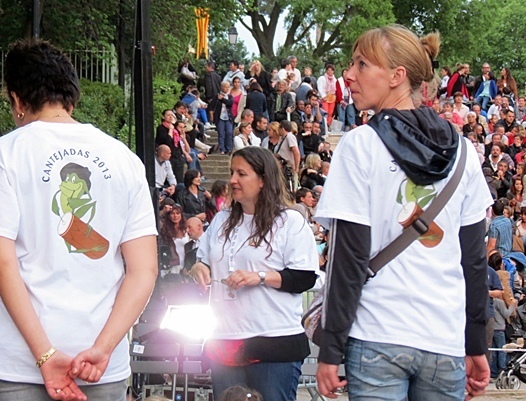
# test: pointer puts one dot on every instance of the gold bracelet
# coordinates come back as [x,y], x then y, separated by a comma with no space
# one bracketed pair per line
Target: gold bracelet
[45,357]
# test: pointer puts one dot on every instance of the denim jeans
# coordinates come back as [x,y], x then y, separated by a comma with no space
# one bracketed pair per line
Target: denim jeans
[201,114]
[276,381]
[378,371]
[10,391]
[483,101]
[347,115]
[224,135]
[498,359]
[195,164]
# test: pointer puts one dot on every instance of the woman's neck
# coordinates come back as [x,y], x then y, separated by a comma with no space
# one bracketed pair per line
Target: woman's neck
[193,189]
[50,113]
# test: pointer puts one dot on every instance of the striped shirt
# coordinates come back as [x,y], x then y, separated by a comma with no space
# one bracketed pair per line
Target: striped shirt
[501,229]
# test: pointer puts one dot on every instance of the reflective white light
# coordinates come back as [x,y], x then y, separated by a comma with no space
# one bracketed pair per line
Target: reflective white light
[193,321]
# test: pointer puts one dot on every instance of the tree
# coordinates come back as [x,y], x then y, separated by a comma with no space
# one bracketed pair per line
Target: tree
[338,22]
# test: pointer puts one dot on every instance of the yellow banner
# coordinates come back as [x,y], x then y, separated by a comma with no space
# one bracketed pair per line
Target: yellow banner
[202,18]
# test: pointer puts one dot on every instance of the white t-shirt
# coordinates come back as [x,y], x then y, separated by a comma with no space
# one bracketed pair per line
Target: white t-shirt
[259,310]
[418,299]
[54,178]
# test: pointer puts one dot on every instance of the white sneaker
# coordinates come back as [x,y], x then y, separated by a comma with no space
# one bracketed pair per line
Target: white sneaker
[207,136]
[209,126]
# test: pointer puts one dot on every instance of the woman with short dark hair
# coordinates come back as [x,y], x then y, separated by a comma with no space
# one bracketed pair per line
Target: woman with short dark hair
[75,206]
[193,196]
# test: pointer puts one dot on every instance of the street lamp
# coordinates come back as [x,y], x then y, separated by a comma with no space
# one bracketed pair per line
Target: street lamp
[232,35]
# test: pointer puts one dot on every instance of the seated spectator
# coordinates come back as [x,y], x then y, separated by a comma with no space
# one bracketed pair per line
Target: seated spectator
[219,193]
[194,229]
[172,237]
[491,180]
[303,89]
[303,203]
[256,100]
[310,141]
[471,118]
[273,138]
[436,106]
[458,107]
[163,170]
[284,103]
[509,121]
[326,152]
[310,176]
[516,148]
[521,109]
[243,136]
[514,194]
[455,118]
[193,196]
[259,127]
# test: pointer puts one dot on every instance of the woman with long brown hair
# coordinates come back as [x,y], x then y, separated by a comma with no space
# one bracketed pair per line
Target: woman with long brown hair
[258,256]
[507,85]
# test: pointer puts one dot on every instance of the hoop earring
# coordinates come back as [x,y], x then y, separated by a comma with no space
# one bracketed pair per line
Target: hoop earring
[21,115]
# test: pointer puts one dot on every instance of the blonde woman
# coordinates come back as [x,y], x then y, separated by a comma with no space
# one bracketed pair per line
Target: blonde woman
[311,176]
[394,353]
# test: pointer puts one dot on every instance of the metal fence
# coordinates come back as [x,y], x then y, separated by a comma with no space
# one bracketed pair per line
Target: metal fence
[94,65]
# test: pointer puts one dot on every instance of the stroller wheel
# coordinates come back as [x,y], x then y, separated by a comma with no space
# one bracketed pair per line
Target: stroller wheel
[504,383]
[498,384]
[514,383]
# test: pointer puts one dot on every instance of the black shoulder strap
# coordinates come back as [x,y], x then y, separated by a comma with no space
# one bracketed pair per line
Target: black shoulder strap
[422,223]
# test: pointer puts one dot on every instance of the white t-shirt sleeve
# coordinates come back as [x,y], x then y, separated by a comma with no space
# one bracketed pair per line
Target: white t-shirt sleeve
[299,251]
[478,198]
[346,193]
[9,212]
[141,220]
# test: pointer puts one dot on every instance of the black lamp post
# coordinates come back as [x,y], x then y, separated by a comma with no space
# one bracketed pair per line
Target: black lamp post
[232,35]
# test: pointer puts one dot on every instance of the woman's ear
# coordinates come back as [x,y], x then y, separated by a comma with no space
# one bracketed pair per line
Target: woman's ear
[398,77]
[16,103]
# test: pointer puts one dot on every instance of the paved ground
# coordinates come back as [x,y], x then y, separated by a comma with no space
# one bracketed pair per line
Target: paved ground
[492,395]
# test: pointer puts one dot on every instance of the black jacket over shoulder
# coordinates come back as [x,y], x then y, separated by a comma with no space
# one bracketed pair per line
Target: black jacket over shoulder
[217,104]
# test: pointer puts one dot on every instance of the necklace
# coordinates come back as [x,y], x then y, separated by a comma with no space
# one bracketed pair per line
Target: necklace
[54,116]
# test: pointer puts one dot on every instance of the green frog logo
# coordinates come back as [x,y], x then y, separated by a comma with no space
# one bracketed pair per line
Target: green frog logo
[413,199]
[76,208]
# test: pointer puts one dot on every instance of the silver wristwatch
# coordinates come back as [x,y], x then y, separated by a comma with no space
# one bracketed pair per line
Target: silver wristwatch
[262,277]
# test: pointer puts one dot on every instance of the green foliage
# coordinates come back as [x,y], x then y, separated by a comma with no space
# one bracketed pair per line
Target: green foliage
[101,105]
[165,94]
[221,52]
[6,118]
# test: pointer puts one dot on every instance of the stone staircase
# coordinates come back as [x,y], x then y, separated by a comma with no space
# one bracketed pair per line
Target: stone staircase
[217,167]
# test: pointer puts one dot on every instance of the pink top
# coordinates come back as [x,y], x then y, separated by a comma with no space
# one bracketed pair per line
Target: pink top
[236,104]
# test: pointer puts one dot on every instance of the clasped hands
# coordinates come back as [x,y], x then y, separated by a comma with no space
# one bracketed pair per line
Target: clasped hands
[61,370]
[238,279]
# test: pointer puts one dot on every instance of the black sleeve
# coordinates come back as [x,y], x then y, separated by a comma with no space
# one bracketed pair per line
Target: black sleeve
[474,265]
[297,281]
[349,250]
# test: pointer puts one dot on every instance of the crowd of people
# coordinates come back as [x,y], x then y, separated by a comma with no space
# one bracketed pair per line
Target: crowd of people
[293,216]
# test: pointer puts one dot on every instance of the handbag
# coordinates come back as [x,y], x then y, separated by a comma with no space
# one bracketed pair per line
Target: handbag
[186,73]
[312,318]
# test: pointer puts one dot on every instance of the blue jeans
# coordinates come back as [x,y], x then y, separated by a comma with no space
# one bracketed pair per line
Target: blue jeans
[483,101]
[347,115]
[201,114]
[224,135]
[195,164]
[378,371]
[276,381]
[10,391]
[498,360]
